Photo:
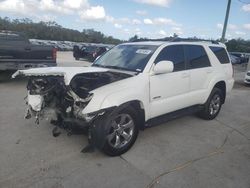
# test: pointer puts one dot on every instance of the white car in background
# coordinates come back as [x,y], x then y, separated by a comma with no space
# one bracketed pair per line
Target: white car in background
[131,87]
[247,77]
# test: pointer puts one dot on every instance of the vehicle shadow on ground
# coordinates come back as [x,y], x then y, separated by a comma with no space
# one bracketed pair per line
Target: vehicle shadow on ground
[72,129]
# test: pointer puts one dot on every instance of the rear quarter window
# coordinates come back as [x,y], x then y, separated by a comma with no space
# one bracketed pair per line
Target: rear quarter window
[221,54]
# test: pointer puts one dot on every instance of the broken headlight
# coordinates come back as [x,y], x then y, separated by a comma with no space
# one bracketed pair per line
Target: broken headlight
[79,106]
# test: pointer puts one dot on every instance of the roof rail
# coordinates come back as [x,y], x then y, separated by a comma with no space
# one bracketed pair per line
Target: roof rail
[177,39]
[193,40]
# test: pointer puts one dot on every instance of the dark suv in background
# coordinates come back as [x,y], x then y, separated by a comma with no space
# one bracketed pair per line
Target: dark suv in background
[90,52]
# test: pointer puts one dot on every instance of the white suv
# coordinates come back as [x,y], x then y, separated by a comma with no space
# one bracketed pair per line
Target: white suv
[131,87]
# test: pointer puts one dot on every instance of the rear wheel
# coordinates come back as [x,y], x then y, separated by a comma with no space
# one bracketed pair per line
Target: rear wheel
[213,105]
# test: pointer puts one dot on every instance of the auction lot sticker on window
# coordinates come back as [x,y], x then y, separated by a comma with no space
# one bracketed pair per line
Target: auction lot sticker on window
[143,51]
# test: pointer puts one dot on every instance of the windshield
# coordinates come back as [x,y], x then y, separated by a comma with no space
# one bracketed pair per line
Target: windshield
[127,57]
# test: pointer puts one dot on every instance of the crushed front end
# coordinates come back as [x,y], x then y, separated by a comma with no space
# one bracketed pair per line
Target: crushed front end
[48,97]
[61,96]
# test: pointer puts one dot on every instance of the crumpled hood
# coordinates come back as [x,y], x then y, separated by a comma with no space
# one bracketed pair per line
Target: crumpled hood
[67,72]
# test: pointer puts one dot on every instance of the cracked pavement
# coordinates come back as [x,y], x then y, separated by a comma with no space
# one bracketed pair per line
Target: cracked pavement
[186,152]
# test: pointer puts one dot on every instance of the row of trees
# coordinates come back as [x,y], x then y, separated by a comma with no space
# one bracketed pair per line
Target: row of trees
[53,31]
[238,45]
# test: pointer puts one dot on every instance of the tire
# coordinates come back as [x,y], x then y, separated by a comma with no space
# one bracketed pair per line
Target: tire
[213,105]
[121,130]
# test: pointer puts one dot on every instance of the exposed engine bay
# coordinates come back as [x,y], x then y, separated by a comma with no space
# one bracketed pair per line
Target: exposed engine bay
[66,102]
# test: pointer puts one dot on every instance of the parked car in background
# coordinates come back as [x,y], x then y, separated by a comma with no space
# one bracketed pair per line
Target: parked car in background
[131,87]
[16,52]
[59,45]
[247,78]
[78,51]
[243,57]
[234,59]
[89,52]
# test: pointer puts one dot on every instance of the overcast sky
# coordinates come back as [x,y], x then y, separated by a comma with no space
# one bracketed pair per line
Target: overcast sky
[146,18]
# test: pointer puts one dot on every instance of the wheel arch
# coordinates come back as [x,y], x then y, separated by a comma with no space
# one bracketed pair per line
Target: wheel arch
[222,86]
[139,108]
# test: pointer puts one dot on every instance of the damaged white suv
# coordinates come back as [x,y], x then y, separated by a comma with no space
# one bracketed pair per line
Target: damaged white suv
[131,87]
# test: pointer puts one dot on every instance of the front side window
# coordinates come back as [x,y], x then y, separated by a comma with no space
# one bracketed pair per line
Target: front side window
[174,53]
[127,57]
[196,56]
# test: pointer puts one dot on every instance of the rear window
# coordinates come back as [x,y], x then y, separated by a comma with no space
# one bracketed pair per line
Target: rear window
[221,54]
[90,49]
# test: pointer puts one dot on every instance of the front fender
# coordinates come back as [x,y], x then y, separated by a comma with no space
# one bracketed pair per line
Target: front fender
[117,98]
[118,93]
[124,96]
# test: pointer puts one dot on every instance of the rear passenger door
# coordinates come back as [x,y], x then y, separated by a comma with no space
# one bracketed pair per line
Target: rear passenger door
[200,71]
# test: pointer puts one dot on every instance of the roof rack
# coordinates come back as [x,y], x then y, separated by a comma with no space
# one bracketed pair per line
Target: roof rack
[177,39]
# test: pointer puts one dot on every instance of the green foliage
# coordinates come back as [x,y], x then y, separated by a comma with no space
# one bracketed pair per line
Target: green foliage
[134,38]
[53,31]
[238,45]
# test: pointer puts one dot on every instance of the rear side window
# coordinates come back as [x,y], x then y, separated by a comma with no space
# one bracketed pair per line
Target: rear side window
[196,56]
[221,54]
[174,53]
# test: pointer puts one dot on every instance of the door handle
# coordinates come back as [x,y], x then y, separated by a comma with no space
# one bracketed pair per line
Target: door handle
[209,71]
[27,49]
[185,75]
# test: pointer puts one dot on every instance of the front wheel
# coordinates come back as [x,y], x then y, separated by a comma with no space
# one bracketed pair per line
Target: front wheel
[213,105]
[121,132]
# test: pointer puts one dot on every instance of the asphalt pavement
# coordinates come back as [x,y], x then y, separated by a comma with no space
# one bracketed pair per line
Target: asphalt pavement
[186,152]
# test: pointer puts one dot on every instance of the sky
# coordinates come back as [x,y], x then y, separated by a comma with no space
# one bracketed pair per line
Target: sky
[146,18]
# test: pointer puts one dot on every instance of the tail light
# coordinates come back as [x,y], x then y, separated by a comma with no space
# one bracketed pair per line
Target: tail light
[54,51]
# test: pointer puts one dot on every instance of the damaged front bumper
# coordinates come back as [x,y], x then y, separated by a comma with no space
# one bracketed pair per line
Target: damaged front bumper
[73,115]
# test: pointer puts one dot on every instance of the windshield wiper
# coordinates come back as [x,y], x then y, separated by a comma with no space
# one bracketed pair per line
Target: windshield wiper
[114,67]
[119,68]
[97,65]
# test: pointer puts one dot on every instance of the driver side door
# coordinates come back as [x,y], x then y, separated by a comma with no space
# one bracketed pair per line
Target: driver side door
[169,91]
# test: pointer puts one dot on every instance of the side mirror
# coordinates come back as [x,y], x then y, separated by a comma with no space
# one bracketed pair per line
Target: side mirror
[163,67]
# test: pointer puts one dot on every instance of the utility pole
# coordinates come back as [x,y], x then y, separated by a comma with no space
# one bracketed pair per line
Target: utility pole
[226,21]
